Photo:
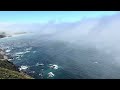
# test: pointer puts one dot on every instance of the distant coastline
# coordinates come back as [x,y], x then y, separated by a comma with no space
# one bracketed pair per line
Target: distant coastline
[4,35]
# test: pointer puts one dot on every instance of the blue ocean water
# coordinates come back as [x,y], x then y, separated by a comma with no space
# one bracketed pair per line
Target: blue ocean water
[74,62]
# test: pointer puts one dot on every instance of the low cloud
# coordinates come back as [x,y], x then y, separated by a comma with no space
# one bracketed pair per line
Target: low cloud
[99,32]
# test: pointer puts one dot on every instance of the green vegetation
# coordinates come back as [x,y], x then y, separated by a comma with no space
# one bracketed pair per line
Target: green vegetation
[9,71]
[9,74]
[8,65]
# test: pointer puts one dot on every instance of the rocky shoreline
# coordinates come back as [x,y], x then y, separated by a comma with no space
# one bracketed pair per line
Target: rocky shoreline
[3,55]
[9,69]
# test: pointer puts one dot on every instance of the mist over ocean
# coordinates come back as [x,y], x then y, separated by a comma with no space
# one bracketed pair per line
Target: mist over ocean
[89,49]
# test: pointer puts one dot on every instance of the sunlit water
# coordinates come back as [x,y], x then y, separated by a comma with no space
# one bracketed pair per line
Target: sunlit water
[44,58]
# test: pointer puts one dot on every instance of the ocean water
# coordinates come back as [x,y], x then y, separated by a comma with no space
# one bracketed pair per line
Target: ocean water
[40,53]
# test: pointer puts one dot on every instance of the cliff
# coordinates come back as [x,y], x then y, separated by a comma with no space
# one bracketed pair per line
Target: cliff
[9,71]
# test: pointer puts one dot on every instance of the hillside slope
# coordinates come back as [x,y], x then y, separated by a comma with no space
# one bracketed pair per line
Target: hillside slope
[9,71]
[9,74]
[8,65]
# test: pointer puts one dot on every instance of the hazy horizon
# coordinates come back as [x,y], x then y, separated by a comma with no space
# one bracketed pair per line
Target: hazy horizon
[50,21]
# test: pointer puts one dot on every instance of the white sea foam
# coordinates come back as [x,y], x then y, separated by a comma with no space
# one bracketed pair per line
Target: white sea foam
[26,52]
[32,72]
[34,51]
[95,62]
[18,59]
[18,56]
[38,64]
[19,53]
[27,49]
[7,51]
[23,68]
[10,59]
[50,74]
[50,64]
[53,66]
[40,74]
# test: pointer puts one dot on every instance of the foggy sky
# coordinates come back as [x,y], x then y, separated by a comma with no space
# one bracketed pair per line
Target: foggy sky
[100,32]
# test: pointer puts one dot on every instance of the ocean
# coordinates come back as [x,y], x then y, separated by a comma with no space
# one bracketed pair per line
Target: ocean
[44,58]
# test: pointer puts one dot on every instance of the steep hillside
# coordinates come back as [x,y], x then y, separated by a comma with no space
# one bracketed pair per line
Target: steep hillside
[8,65]
[9,74]
[9,71]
